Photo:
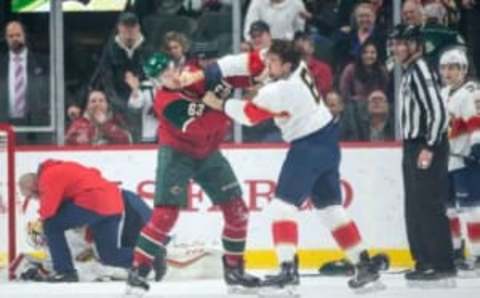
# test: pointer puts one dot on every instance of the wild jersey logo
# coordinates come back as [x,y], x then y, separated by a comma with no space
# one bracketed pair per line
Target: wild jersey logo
[175,190]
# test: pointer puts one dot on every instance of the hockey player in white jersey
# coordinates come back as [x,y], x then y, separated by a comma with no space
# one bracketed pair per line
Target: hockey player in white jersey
[311,168]
[463,104]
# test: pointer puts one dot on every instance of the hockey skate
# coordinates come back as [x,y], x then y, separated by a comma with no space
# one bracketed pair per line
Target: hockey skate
[366,276]
[71,276]
[429,278]
[283,284]
[238,281]
[466,267]
[137,284]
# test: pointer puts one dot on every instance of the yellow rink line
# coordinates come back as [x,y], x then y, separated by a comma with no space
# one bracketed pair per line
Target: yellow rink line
[309,258]
[314,258]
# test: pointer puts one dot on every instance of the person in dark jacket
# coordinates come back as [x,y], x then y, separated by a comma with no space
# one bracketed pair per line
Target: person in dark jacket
[24,85]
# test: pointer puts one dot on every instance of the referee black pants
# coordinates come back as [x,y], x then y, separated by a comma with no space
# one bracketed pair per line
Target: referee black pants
[426,193]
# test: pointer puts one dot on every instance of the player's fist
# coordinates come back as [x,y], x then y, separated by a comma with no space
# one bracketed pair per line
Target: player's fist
[223,90]
[212,101]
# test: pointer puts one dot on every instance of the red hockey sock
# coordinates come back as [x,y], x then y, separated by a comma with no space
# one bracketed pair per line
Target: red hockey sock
[234,235]
[473,230]
[285,239]
[347,236]
[455,230]
[154,235]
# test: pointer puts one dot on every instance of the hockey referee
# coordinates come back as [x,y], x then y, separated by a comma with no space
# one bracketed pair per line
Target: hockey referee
[424,123]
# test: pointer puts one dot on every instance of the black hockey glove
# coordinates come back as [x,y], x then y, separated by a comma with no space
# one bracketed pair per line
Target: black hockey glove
[223,90]
[474,157]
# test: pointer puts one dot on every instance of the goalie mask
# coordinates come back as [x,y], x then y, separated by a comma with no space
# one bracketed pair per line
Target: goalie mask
[454,66]
[36,237]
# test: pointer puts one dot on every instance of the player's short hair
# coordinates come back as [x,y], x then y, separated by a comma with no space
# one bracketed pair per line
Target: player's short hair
[286,51]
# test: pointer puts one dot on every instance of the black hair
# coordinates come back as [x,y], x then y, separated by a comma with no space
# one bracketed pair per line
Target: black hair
[370,75]
[286,51]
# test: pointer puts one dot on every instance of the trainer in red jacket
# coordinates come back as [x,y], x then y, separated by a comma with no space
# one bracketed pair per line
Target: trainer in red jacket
[73,196]
[59,181]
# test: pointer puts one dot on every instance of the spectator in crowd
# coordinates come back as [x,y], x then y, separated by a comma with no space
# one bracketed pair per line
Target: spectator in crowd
[141,98]
[364,75]
[379,125]
[321,72]
[342,114]
[334,102]
[285,17]
[346,7]
[437,34]
[471,16]
[369,120]
[98,125]
[24,85]
[124,56]
[348,44]
[412,13]
[260,37]
[176,45]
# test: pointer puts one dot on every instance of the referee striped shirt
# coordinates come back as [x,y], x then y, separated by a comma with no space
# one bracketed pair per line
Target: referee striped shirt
[423,111]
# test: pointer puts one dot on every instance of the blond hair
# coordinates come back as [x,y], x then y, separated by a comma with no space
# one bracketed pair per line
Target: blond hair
[176,37]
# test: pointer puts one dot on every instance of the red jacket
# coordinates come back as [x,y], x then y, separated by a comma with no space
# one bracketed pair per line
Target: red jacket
[60,181]
[322,74]
[83,131]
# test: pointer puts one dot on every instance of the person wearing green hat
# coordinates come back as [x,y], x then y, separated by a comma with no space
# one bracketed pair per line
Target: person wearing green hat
[189,137]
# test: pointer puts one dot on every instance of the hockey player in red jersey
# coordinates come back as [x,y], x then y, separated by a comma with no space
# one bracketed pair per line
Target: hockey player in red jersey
[189,135]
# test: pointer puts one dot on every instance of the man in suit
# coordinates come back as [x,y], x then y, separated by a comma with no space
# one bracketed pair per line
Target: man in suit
[24,85]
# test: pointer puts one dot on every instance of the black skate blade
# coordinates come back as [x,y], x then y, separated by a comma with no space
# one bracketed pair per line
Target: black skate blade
[372,287]
[275,292]
[134,292]
[446,283]
[241,290]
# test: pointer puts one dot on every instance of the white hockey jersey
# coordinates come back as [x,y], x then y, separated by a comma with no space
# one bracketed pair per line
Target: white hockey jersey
[464,125]
[294,103]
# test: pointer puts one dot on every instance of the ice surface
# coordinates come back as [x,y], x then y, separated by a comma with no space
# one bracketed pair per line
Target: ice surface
[312,287]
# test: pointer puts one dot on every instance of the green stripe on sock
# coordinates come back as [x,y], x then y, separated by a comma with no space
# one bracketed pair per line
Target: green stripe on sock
[233,246]
[148,246]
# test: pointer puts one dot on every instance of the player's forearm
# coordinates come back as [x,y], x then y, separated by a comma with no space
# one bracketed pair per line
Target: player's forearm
[235,109]
[245,112]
